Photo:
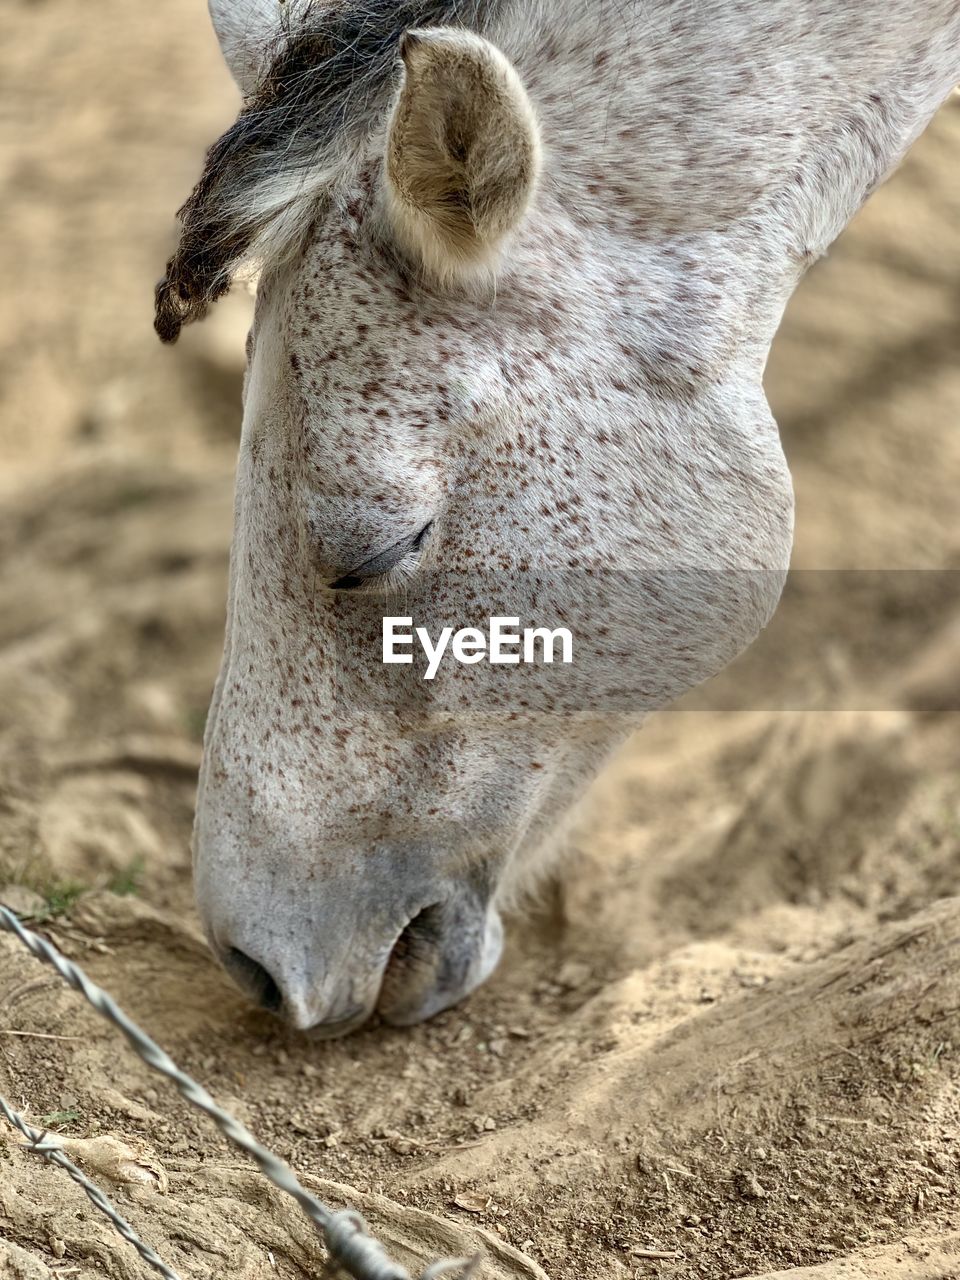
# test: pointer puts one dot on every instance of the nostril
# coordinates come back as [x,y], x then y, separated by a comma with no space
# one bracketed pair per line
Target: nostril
[416,946]
[254,978]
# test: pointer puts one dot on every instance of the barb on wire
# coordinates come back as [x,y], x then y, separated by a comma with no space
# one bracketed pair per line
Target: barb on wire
[347,1237]
[44,1146]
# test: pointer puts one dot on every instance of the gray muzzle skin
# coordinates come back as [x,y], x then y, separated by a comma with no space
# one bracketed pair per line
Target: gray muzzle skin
[327,967]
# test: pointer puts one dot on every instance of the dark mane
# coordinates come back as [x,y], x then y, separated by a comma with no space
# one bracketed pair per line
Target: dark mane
[330,75]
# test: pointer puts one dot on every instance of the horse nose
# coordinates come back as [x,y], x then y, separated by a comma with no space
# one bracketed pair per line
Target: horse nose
[290,994]
[329,972]
[254,979]
[445,951]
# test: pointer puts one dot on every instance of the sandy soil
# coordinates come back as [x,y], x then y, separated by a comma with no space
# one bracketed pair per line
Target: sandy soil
[730,1037]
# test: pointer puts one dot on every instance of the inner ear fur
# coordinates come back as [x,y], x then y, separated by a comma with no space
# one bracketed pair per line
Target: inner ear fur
[463,151]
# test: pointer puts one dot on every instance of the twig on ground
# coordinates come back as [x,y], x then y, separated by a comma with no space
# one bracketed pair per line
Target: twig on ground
[36,1035]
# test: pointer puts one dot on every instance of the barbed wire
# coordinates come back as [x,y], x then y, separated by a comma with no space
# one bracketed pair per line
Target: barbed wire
[346,1234]
[44,1145]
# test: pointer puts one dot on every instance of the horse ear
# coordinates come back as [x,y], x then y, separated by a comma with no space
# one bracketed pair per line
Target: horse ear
[246,29]
[463,151]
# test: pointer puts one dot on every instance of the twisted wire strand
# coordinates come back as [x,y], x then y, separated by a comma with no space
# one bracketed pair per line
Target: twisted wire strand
[47,1147]
[347,1237]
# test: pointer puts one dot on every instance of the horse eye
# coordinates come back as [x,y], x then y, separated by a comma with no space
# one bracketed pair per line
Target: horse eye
[382,562]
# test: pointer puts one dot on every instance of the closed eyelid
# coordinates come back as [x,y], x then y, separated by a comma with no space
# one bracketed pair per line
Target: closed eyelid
[382,562]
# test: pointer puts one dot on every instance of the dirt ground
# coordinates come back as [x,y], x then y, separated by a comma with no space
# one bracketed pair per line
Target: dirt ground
[728,1044]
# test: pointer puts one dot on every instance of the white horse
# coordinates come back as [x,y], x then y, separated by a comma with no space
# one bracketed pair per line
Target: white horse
[522,262]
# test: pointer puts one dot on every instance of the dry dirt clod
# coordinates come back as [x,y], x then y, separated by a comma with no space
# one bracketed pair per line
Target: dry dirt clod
[472,1202]
[573,975]
[121,1162]
[22,901]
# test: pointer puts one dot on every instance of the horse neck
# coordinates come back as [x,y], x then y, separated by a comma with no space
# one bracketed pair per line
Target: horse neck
[747,134]
[700,108]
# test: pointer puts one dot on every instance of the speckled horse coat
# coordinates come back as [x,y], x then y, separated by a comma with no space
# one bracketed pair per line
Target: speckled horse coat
[522,263]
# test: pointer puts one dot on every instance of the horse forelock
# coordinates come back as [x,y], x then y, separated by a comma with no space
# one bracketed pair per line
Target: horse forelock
[326,86]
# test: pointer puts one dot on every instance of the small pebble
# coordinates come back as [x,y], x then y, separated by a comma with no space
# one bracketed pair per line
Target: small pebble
[749,1185]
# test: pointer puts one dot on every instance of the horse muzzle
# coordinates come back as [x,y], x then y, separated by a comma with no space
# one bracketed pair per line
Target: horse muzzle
[330,970]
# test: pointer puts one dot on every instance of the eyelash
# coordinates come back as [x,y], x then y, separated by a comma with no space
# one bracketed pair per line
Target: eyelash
[398,575]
